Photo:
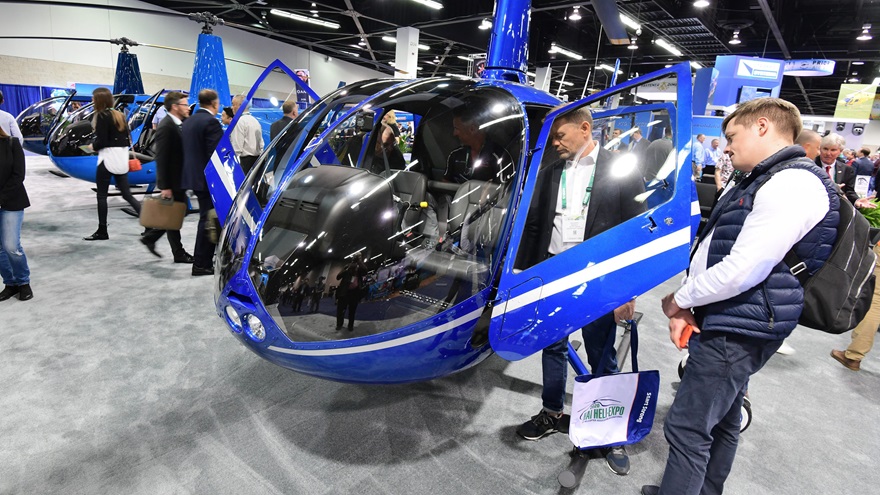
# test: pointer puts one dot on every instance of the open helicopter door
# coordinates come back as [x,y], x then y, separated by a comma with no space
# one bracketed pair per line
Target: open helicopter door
[264,101]
[62,111]
[623,226]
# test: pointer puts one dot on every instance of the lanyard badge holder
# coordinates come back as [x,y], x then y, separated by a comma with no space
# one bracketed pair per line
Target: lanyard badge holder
[574,226]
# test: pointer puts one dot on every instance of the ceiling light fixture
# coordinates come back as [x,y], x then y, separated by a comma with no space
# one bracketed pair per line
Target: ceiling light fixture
[303,18]
[735,40]
[362,42]
[853,80]
[858,63]
[629,22]
[575,15]
[430,3]
[668,47]
[462,57]
[608,68]
[865,36]
[485,24]
[632,44]
[394,40]
[701,3]
[696,65]
[554,48]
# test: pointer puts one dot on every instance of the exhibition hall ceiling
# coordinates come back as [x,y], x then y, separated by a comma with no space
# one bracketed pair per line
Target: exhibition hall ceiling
[790,29]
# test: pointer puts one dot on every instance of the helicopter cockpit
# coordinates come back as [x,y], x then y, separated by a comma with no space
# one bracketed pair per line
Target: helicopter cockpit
[367,215]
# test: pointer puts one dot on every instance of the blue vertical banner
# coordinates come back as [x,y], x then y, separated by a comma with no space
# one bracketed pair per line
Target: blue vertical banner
[303,99]
[209,69]
[128,78]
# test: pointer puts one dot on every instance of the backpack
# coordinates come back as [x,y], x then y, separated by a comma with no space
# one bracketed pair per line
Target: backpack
[838,295]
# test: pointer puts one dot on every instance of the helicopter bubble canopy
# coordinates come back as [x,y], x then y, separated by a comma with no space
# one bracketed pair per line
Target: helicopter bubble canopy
[400,220]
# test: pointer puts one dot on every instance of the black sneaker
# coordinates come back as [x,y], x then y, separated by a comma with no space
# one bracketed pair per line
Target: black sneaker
[541,425]
[8,292]
[25,293]
[618,460]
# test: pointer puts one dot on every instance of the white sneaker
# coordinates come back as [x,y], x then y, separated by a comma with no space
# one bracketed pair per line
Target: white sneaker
[785,349]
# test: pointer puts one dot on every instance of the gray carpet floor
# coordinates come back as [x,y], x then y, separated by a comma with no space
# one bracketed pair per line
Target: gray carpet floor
[118,377]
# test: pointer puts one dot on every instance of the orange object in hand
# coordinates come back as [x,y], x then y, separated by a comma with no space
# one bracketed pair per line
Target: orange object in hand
[685,336]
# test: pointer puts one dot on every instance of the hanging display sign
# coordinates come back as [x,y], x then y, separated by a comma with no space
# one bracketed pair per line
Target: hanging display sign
[758,69]
[809,68]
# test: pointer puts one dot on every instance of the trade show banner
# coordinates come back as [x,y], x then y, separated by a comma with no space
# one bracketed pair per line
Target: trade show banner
[740,79]
[855,101]
[875,110]
[302,97]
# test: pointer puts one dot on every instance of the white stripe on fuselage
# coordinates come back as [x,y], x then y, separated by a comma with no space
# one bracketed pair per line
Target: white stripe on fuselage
[466,319]
[592,272]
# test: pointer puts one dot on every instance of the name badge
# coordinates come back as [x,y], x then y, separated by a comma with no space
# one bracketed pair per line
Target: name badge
[574,228]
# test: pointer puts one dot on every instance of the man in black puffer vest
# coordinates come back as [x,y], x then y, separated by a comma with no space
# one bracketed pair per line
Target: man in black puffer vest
[744,299]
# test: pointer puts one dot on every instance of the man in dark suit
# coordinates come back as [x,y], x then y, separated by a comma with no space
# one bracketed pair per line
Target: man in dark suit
[843,175]
[169,168]
[201,133]
[638,145]
[290,112]
[577,198]
[350,291]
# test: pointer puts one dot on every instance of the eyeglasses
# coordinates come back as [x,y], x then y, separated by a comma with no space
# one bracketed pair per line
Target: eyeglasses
[184,104]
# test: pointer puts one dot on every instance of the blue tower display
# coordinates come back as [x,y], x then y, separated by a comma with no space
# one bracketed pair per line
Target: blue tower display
[128,78]
[209,69]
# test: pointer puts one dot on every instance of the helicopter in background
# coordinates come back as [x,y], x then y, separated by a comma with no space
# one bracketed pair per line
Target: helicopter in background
[433,262]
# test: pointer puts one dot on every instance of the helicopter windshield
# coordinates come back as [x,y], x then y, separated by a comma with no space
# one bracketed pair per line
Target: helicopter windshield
[71,136]
[394,221]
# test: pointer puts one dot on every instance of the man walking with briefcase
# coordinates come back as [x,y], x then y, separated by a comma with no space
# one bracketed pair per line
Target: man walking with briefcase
[169,168]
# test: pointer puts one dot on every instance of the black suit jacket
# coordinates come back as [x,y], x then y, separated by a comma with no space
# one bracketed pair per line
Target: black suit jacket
[13,196]
[844,174]
[278,126]
[612,202]
[640,147]
[201,133]
[169,154]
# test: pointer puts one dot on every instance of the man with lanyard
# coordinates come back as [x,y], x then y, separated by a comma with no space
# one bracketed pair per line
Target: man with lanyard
[577,198]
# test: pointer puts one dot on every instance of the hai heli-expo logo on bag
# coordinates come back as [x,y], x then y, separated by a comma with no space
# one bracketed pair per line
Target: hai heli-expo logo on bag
[603,410]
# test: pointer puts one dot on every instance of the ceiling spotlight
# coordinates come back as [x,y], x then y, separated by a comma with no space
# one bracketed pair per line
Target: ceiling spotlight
[853,80]
[362,42]
[575,15]
[430,3]
[735,40]
[485,24]
[865,36]
[314,12]
[554,48]
[303,18]
[632,44]
[436,60]
[701,3]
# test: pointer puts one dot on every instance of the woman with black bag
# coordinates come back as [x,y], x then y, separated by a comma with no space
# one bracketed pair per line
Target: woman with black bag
[13,201]
[111,143]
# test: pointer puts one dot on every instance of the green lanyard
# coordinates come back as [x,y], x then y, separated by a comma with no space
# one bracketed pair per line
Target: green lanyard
[587,193]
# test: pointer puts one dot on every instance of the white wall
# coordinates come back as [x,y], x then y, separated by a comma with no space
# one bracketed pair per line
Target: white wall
[33,19]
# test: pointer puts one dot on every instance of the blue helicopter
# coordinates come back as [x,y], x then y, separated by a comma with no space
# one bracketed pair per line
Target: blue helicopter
[330,209]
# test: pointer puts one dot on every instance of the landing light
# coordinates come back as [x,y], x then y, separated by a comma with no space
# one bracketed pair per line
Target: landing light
[234,319]
[255,329]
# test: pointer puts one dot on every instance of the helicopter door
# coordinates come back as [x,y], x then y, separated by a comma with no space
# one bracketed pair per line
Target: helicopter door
[597,226]
[62,110]
[264,103]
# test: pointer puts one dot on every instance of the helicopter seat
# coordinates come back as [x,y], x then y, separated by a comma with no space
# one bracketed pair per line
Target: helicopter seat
[411,188]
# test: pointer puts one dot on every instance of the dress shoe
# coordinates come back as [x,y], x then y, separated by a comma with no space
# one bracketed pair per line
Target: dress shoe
[8,292]
[99,235]
[25,293]
[841,358]
[650,490]
[184,258]
[152,247]
[199,271]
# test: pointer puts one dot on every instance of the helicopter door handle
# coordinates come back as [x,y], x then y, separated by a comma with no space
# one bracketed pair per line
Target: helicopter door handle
[652,225]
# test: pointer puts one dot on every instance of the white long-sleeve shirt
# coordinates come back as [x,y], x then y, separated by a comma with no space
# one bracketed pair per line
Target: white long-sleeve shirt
[10,126]
[786,207]
[247,136]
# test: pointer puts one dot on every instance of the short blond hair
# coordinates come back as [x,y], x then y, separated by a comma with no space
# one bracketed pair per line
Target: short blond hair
[783,114]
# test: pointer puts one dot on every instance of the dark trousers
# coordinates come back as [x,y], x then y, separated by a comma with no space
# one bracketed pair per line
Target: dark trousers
[350,301]
[154,235]
[247,163]
[554,360]
[203,252]
[102,181]
[702,426]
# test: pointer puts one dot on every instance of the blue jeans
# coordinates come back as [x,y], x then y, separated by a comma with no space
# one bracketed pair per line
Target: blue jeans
[554,360]
[13,262]
[702,426]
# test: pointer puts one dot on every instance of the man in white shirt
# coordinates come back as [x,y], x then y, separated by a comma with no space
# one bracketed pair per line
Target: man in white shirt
[577,198]
[699,155]
[246,137]
[8,123]
[744,299]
